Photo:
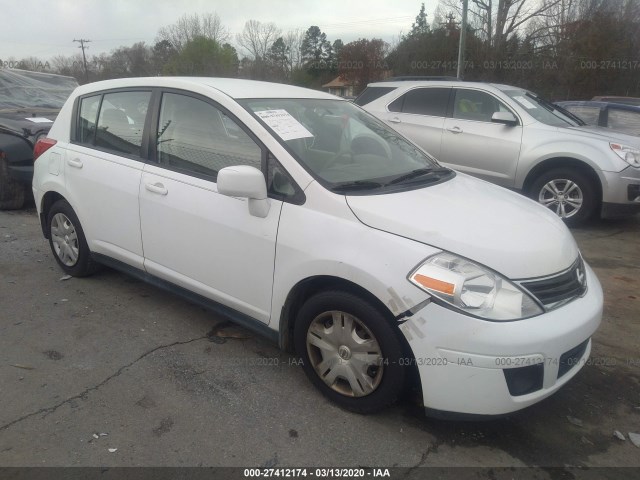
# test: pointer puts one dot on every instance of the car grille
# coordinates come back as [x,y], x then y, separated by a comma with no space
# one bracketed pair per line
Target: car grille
[561,288]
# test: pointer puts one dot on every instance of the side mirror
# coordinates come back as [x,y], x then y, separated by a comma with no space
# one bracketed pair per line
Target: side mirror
[248,182]
[506,118]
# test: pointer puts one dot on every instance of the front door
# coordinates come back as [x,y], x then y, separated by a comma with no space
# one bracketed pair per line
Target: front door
[192,235]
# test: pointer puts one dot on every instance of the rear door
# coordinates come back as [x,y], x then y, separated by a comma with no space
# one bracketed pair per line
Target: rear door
[193,236]
[419,115]
[103,167]
[472,144]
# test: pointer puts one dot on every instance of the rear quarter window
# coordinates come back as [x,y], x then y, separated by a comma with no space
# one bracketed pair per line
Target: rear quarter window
[372,93]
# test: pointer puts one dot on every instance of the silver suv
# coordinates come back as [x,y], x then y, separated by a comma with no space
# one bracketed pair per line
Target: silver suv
[511,137]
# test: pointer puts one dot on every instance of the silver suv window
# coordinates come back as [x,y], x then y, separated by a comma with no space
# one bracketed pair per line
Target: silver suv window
[476,105]
[423,101]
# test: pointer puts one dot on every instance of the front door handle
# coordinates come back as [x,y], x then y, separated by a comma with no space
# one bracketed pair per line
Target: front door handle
[158,188]
[395,120]
[75,163]
[455,130]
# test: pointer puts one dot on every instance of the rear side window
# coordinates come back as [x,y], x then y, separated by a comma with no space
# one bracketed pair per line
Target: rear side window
[121,121]
[86,127]
[423,101]
[624,121]
[197,138]
[372,93]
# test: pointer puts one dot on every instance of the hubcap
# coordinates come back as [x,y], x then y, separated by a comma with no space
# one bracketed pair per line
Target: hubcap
[562,196]
[345,354]
[64,239]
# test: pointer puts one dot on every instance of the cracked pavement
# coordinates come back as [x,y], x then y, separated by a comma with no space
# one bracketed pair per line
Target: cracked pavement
[111,355]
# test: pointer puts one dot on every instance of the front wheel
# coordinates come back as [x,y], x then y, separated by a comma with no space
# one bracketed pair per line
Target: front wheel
[569,194]
[350,352]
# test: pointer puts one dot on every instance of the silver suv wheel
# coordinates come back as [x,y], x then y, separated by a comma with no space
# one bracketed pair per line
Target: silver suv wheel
[562,196]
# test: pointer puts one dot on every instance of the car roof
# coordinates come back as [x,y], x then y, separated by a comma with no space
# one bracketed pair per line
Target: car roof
[233,87]
[441,83]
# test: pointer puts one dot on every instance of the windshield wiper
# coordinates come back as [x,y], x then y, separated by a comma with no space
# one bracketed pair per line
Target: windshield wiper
[356,185]
[434,174]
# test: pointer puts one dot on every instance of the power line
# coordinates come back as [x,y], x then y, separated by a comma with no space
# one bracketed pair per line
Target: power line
[82,41]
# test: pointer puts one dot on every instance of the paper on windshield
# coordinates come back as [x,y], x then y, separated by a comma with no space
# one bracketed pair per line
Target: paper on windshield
[284,124]
[524,102]
[39,120]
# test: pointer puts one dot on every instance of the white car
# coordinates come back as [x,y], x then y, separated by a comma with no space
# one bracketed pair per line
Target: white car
[513,138]
[301,216]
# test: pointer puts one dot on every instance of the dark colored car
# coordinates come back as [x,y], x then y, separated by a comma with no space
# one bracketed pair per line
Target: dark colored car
[29,102]
[620,117]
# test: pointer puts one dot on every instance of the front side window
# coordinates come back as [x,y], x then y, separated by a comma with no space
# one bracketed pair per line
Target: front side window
[476,105]
[195,137]
[345,148]
[121,121]
[423,101]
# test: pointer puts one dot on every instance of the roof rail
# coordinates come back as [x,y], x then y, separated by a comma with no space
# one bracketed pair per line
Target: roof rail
[409,78]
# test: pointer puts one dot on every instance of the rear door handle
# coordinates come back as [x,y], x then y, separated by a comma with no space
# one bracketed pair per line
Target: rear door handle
[455,130]
[75,163]
[158,188]
[395,120]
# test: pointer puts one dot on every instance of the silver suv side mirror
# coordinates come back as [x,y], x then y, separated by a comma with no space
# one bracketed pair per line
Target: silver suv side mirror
[507,118]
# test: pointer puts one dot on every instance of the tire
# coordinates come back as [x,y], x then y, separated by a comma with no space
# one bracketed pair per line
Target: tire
[67,241]
[358,366]
[568,193]
[12,193]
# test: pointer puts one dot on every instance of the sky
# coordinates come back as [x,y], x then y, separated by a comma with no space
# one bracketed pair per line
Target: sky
[46,28]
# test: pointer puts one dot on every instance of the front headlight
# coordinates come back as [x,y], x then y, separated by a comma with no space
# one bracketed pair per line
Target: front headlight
[473,289]
[631,155]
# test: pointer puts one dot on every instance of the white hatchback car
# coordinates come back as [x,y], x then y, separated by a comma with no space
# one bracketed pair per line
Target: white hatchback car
[301,216]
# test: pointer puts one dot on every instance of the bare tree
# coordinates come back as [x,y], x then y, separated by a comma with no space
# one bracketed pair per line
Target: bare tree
[502,19]
[188,27]
[293,41]
[257,37]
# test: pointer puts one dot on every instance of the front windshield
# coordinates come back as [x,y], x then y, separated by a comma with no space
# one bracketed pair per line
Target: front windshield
[345,148]
[21,89]
[542,110]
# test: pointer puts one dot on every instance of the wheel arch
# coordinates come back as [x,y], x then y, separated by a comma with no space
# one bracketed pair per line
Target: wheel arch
[563,162]
[308,287]
[48,199]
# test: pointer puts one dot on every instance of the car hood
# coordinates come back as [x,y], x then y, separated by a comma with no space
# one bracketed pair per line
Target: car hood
[605,134]
[483,222]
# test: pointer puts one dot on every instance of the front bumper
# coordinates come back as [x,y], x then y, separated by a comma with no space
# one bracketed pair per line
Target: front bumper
[621,193]
[462,360]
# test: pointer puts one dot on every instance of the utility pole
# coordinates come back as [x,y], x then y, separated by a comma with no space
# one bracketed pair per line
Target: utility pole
[82,41]
[463,35]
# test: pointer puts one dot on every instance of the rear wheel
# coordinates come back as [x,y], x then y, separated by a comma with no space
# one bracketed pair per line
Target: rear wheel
[68,242]
[12,193]
[350,351]
[570,194]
